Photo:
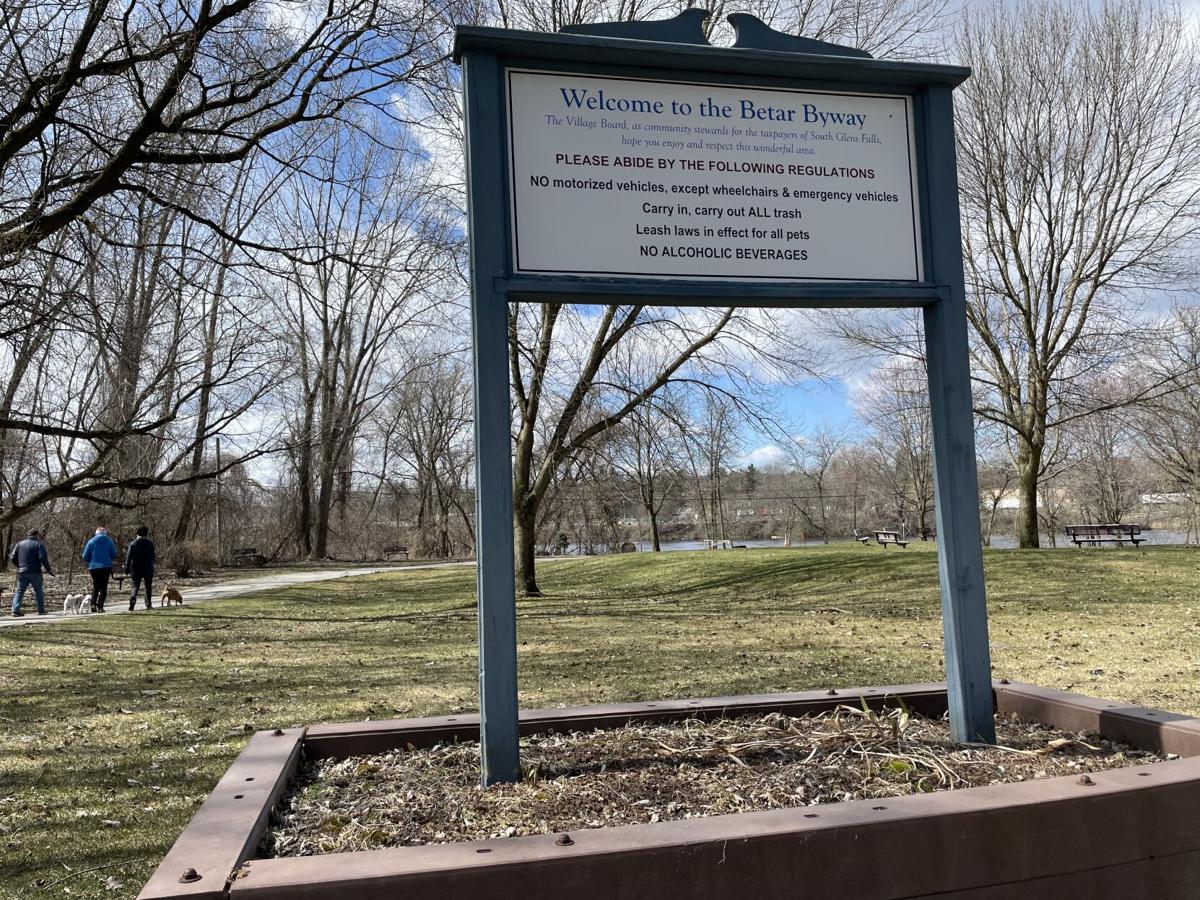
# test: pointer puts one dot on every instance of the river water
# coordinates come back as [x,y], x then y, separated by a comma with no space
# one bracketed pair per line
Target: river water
[999,541]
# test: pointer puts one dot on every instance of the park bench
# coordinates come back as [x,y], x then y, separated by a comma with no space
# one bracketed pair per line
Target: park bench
[395,552]
[248,556]
[1113,532]
[889,537]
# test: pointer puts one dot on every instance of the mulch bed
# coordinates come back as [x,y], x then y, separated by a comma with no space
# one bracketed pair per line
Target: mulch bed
[656,772]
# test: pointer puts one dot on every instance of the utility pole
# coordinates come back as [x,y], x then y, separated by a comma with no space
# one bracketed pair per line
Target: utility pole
[220,522]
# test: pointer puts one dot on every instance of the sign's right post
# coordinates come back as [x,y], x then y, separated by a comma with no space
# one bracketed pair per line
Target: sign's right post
[956,491]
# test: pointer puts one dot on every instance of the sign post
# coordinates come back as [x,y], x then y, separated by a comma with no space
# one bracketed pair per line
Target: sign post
[636,163]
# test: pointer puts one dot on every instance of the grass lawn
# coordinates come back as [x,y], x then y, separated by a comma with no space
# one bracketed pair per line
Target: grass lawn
[113,731]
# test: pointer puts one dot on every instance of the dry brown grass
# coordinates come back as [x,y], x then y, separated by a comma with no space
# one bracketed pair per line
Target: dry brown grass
[132,719]
[651,773]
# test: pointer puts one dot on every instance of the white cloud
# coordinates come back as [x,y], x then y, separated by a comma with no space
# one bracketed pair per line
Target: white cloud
[766,455]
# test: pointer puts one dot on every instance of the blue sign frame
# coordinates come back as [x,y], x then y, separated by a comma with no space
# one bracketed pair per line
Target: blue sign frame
[675,50]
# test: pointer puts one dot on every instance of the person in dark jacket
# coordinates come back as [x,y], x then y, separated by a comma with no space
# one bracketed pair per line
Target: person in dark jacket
[139,566]
[31,558]
[100,553]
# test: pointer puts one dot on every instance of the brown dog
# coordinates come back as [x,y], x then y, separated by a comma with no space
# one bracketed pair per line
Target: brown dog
[169,596]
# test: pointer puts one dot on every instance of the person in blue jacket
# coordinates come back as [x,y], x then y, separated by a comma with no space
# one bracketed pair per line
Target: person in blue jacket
[100,553]
[31,559]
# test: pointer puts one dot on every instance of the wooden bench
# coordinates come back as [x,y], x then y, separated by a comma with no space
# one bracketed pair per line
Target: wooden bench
[889,537]
[248,556]
[395,552]
[1110,533]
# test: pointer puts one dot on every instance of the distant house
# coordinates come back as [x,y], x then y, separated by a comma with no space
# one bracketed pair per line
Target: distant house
[1164,498]
[1011,498]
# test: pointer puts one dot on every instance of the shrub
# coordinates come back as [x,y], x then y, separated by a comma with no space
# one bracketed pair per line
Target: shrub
[187,558]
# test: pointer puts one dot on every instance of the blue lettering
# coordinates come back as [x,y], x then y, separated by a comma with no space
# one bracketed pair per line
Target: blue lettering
[812,114]
[575,98]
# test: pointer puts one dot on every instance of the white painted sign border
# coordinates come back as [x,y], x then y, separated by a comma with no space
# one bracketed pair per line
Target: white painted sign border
[514,193]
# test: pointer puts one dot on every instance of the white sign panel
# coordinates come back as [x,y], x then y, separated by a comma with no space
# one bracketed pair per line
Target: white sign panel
[624,177]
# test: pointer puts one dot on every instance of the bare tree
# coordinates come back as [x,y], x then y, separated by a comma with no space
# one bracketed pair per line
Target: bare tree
[711,441]
[895,406]
[109,407]
[225,286]
[1168,425]
[568,394]
[1107,483]
[431,411]
[98,98]
[1079,153]
[387,235]
[645,454]
[535,381]
[818,453]
[996,478]
[127,134]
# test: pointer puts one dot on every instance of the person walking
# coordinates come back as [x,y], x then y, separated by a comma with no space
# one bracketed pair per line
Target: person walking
[100,552]
[31,558]
[139,566]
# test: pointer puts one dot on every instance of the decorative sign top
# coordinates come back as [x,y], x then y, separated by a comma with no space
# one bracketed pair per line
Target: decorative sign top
[681,43]
[688,28]
[638,178]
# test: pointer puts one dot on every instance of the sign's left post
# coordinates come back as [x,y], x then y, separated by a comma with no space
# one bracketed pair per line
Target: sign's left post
[495,581]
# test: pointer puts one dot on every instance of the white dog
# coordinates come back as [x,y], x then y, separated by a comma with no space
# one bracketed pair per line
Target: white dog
[71,604]
[85,605]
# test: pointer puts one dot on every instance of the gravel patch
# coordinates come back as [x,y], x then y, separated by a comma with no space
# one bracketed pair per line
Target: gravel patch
[656,772]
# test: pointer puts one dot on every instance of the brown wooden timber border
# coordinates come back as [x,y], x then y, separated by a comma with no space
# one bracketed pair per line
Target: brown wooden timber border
[228,826]
[1130,833]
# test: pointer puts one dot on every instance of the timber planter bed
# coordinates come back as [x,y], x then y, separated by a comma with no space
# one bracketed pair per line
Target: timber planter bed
[1126,832]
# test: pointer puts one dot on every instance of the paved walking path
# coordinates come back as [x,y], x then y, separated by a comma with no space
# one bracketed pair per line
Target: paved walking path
[118,600]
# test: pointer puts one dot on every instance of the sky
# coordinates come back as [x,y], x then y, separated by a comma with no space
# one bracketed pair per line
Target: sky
[830,402]
[816,402]
[807,406]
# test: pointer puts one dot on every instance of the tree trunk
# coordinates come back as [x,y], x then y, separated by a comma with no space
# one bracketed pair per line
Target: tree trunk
[654,541]
[987,536]
[1029,461]
[324,505]
[526,523]
[304,484]
[184,523]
